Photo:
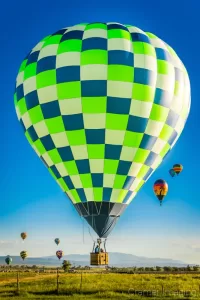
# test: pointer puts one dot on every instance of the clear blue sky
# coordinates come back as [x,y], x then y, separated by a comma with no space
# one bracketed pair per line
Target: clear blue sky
[31,201]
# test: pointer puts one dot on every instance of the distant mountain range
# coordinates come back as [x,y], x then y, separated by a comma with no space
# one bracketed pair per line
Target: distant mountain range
[115,259]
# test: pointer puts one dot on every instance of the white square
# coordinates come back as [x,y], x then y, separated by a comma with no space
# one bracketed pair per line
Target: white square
[140,108]
[108,180]
[60,139]
[30,85]
[158,43]
[79,152]
[145,62]
[26,120]
[115,195]
[166,82]
[20,78]
[47,94]
[179,125]
[177,104]
[69,194]
[120,44]
[94,33]
[94,121]
[89,194]
[114,137]
[50,50]
[76,181]
[41,129]
[79,27]
[134,169]
[154,128]
[68,59]
[70,106]
[119,89]
[128,153]
[38,47]
[135,184]
[158,146]
[94,72]
[47,159]
[157,162]
[96,165]
[133,29]
[61,169]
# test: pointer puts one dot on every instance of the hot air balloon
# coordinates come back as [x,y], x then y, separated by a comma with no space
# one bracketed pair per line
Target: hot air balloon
[23,254]
[23,235]
[160,189]
[172,172]
[57,241]
[8,260]
[59,254]
[178,168]
[102,104]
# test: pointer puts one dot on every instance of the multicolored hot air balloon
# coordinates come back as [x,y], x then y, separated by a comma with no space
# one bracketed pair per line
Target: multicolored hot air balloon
[178,168]
[23,235]
[57,241]
[59,254]
[172,172]
[102,104]
[8,260]
[160,189]
[23,254]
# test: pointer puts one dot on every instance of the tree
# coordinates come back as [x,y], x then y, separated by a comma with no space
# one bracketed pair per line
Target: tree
[66,265]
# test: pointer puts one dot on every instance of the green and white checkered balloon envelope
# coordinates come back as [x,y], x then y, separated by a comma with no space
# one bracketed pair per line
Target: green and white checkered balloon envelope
[102,104]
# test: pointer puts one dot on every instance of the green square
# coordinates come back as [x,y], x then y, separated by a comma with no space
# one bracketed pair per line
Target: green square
[39,146]
[119,181]
[110,166]
[141,155]
[143,92]
[94,57]
[96,151]
[177,88]
[98,194]
[69,90]
[45,38]
[54,39]
[94,104]
[164,151]
[76,137]
[86,180]
[116,121]
[31,70]
[132,139]
[139,186]
[143,171]
[15,99]
[70,46]
[166,132]
[63,184]
[28,137]
[159,113]
[52,174]
[163,67]
[119,33]
[55,125]
[149,50]
[71,167]
[46,78]
[120,73]
[36,114]
[138,48]
[121,196]
[75,196]
[23,65]
[55,156]
[22,106]
[96,26]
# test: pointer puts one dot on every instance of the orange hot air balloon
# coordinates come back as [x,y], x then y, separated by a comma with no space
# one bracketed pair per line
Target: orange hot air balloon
[178,168]
[23,235]
[160,189]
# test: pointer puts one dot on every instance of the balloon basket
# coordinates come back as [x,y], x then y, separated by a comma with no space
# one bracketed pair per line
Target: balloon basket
[99,259]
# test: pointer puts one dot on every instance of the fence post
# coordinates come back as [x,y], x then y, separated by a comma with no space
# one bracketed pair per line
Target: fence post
[162,289]
[57,282]
[17,281]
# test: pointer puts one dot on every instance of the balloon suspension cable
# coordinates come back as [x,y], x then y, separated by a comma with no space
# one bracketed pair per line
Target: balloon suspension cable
[105,245]
[90,234]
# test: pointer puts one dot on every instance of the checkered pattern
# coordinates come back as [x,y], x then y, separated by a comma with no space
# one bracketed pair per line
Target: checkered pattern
[102,104]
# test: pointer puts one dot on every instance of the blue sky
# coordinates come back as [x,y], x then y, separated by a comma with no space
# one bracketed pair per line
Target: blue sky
[31,201]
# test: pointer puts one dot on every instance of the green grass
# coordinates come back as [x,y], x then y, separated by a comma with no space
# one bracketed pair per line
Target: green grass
[100,286]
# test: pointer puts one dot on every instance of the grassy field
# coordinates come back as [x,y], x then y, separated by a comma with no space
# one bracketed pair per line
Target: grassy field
[99,286]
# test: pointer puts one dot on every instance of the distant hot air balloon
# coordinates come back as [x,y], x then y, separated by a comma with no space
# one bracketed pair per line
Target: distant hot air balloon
[23,235]
[160,189]
[23,254]
[178,168]
[59,254]
[57,241]
[102,104]
[8,260]
[172,172]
